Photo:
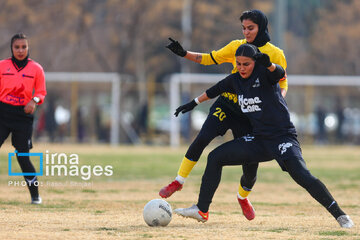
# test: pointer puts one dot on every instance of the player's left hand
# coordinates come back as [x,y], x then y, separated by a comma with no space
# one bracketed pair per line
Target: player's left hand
[176,48]
[185,108]
[263,59]
[30,107]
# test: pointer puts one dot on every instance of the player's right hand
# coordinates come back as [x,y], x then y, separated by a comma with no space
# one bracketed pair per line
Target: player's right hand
[263,59]
[185,108]
[176,48]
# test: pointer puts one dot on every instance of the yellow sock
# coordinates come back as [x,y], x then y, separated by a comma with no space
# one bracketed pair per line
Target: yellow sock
[186,167]
[243,193]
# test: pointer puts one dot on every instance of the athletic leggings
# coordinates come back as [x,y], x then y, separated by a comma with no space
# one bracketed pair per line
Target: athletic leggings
[214,127]
[235,153]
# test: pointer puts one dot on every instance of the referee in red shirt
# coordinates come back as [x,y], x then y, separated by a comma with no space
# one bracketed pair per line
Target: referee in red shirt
[22,88]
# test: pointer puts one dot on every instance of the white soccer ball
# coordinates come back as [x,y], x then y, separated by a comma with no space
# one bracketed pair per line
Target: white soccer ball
[157,212]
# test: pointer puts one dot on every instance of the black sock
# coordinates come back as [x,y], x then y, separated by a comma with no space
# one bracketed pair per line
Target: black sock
[202,208]
[335,210]
[32,184]
[319,191]
[27,167]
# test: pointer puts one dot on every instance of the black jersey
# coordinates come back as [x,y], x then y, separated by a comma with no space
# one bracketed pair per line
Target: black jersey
[260,99]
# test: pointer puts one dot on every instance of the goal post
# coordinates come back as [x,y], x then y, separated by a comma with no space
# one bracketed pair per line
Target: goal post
[307,84]
[96,77]
[176,80]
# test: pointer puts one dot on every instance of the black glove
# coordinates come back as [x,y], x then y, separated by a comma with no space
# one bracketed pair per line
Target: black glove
[263,59]
[185,108]
[176,48]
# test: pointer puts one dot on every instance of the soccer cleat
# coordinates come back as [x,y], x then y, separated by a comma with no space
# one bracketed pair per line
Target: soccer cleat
[247,208]
[193,212]
[36,200]
[345,221]
[168,190]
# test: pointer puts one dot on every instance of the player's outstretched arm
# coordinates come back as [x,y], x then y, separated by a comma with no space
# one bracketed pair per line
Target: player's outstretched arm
[177,49]
[191,105]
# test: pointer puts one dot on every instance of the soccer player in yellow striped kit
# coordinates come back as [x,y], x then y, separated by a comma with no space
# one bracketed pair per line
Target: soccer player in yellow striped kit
[225,114]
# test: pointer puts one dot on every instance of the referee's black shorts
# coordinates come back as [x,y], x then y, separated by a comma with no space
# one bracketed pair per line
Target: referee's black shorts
[14,120]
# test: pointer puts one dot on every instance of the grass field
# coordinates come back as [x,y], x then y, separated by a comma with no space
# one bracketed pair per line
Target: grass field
[110,207]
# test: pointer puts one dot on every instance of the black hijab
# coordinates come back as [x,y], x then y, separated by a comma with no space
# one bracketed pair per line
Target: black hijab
[247,50]
[20,64]
[260,19]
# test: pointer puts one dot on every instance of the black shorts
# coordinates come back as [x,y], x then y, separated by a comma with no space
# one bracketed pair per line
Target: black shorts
[222,118]
[14,120]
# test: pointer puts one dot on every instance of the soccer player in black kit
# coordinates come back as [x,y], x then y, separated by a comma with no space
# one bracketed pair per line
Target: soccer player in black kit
[224,114]
[274,135]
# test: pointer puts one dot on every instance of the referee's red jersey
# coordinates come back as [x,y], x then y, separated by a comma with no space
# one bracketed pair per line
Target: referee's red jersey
[19,86]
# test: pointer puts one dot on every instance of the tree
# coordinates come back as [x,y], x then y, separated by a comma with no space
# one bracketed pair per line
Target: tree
[335,42]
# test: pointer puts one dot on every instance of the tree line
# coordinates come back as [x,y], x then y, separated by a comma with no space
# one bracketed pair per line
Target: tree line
[129,36]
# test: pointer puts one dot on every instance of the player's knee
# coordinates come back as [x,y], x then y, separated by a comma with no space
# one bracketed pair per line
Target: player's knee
[203,140]
[22,149]
[214,157]
[304,178]
[311,184]
[309,179]
[250,170]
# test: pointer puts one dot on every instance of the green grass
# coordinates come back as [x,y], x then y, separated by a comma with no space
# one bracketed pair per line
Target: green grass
[333,233]
[88,191]
[106,229]
[159,165]
[11,203]
[97,212]
[111,208]
[54,190]
[278,230]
